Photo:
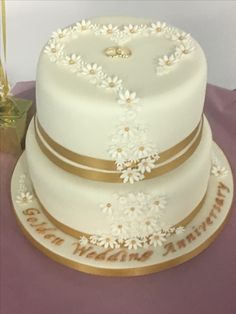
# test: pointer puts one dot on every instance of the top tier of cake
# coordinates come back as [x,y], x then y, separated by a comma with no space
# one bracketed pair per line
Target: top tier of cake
[120,82]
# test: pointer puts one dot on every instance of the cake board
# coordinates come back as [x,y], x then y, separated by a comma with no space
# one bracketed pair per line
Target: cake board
[65,249]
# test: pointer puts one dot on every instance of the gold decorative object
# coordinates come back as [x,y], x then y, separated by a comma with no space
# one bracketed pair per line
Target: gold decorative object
[118,51]
[12,110]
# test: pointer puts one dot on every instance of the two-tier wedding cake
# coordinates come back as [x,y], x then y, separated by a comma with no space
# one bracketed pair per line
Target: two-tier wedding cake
[122,167]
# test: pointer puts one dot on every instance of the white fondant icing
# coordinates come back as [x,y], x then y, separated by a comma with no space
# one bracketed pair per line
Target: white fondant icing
[86,111]
[75,201]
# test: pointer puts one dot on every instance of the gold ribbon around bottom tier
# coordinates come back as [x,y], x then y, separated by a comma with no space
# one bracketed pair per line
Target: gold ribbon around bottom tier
[77,234]
[139,271]
[122,272]
[114,177]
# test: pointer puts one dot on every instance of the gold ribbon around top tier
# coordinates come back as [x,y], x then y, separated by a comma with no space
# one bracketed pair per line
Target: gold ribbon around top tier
[192,140]
[77,234]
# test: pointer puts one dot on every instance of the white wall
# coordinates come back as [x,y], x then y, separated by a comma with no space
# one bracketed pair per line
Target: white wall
[212,23]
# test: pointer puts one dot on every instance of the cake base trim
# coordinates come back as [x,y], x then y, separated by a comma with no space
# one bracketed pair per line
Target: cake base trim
[77,234]
[115,177]
[63,248]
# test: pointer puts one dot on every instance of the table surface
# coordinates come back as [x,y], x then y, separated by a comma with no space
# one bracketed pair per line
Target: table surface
[31,283]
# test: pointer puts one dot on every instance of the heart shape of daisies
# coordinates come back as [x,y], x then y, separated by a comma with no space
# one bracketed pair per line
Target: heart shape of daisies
[130,148]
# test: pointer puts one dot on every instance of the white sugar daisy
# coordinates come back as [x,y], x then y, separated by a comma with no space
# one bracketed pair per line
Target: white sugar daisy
[185,48]
[158,28]
[132,210]
[107,208]
[180,36]
[148,225]
[24,198]
[83,26]
[131,29]
[93,72]
[109,29]
[133,243]
[157,239]
[108,241]
[219,171]
[143,149]
[128,99]
[167,61]
[127,130]
[91,69]
[72,62]
[158,202]
[61,33]
[131,176]
[146,165]
[54,50]
[169,32]
[120,164]
[118,151]
[111,83]
[83,241]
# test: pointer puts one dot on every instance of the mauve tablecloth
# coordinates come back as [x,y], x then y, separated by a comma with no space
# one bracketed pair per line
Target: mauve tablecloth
[31,283]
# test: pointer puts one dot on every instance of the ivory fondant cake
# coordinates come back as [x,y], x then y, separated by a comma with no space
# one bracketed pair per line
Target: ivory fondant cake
[119,152]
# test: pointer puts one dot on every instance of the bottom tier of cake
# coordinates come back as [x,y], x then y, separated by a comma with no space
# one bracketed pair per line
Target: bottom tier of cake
[129,259]
[87,208]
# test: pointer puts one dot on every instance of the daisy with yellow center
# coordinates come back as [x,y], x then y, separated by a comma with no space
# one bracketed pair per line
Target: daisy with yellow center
[158,28]
[128,99]
[133,243]
[107,208]
[157,239]
[54,50]
[131,176]
[111,83]
[72,62]
[24,198]
[83,26]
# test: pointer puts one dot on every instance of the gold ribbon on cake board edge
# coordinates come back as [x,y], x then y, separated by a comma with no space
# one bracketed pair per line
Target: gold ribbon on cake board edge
[114,177]
[124,272]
